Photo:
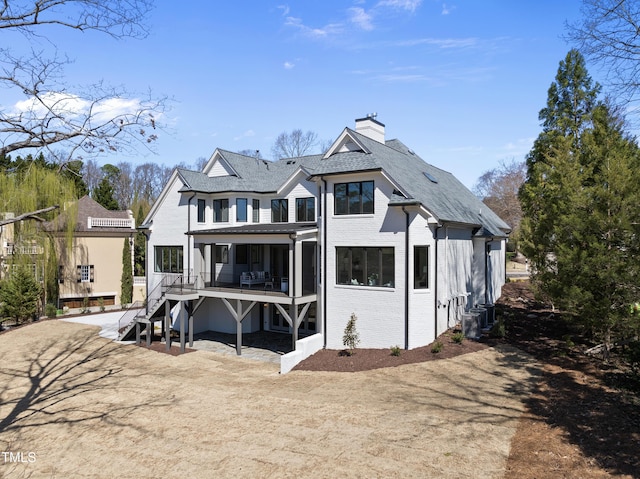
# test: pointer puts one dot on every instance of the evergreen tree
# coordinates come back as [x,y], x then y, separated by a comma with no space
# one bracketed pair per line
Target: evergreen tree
[140,244]
[580,204]
[104,192]
[126,293]
[20,295]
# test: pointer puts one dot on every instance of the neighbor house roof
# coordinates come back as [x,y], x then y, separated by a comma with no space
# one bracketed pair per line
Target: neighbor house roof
[84,209]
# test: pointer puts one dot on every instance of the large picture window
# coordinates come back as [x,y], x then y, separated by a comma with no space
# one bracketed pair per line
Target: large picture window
[201,211]
[241,210]
[420,267]
[305,209]
[279,211]
[221,211]
[369,266]
[353,198]
[168,259]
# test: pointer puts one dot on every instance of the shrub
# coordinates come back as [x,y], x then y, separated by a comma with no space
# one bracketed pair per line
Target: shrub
[395,350]
[437,347]
[498,330]
[50,310]
[457,337]
[101,303]
[351,338]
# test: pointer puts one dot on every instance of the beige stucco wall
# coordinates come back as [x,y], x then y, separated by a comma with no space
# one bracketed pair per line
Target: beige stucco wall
[105,254]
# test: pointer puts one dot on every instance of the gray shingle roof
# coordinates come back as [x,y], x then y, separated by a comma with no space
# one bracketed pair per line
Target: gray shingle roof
[446,198]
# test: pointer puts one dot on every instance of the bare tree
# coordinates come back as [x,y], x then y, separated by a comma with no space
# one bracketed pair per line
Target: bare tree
[83,124]
[498,188]
[608,35]
[294,144]
[252,153]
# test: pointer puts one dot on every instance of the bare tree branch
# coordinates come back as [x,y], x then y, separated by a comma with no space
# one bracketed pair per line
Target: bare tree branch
[29,216]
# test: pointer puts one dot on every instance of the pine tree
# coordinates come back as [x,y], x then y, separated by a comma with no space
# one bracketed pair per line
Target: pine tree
[351,338]
[580,205]
[20,295]
[126,293]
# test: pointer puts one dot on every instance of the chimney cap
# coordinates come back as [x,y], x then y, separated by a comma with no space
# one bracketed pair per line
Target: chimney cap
[371,117]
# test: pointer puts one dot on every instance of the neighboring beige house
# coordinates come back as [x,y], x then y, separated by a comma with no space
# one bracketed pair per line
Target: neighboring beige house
[90,273]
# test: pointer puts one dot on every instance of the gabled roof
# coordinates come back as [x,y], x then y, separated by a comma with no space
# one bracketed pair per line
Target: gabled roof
[446,197]
[253,175]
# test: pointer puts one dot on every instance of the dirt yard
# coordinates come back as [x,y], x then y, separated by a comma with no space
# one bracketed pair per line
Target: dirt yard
[76,405]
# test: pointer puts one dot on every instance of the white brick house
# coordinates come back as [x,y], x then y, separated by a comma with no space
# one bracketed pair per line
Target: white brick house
[367,228]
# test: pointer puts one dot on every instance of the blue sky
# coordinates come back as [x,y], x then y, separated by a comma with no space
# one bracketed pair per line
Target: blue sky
[460,82]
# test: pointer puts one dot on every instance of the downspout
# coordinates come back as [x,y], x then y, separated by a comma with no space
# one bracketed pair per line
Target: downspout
[435,302]
[189,238]
[325,213]
[406,279]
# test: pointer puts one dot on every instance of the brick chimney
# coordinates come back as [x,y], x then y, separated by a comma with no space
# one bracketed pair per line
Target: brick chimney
[371,128]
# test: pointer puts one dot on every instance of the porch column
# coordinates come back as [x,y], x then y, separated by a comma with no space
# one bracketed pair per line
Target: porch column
[239,328]
[182,314]
[293,312]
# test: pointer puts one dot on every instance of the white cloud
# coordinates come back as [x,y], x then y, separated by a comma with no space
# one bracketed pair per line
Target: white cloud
[447,9]
[409,5]
[443,43]
[246,134]
[72,106]
[361,18]
[323,32]
[285,9]
[289,65]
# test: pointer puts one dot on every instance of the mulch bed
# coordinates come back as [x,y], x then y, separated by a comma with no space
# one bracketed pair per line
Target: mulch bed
[160,347]
[366,359]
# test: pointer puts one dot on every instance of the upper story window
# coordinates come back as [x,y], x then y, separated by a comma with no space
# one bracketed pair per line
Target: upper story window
[168,259]
[305,209]
[241,210]
[354,198]
[221,211]
[255,207]
[279,211]
[201,210]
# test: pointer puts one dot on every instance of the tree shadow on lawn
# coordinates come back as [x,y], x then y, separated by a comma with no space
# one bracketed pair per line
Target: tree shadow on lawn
[583,396]
[58,373]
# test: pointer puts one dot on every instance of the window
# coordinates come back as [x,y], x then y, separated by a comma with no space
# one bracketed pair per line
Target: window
[201,207]
[85,273]
[353,198]
[370,266]
[222,253]
[60,274]
[279,211]
[255,207]
[168,259]
[306,209]
[420,267]
[220,211]
[241,254]
[241,210]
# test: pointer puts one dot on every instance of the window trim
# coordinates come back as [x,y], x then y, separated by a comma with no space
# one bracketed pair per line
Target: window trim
[374,279]
[255,210]
[221,210]
[246,210]
[283,212]
[344,197]
[85,273]
[306,209]
[202,211]
[425,267]
[158,262]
